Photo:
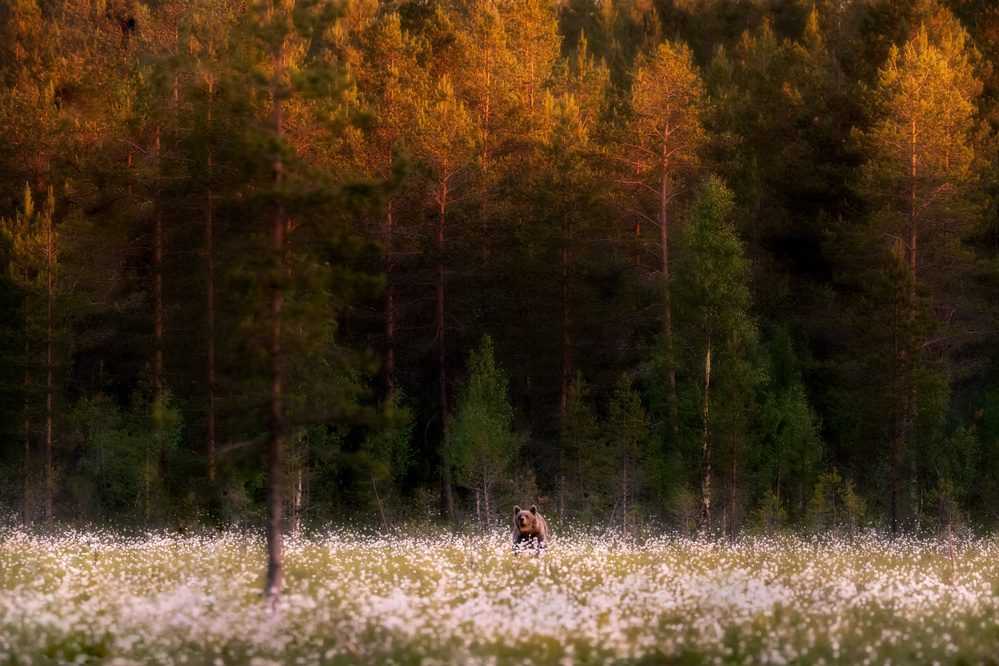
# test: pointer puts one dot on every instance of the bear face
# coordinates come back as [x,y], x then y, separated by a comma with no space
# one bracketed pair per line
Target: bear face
[529,528]
[526,521]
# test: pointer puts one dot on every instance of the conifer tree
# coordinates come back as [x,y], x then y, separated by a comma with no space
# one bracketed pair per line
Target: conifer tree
[714,299]
[481,433]
[580,453]
[920,174]
[25,242]
[662,141]
[625,428]
[297,274]
[445,146]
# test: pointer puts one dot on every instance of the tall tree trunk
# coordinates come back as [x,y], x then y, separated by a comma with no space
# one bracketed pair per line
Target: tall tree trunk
[447,499]
[485,496]
[389,307]
[48,368]
[566,353]
[275,422]
[158,320]
[210,256]
[26,506]
[667,310]
[732,487]
[706,449]
[896,425]
[624,497]
[478,508]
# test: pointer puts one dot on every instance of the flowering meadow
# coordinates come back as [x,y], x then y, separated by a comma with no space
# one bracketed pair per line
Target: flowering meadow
[162,599]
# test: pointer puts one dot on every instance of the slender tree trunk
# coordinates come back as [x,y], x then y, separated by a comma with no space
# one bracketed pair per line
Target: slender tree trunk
[158,287]
[447,499]
[706,450]
[667,310]
[48,372]
[566,353]
[210,256]
[478,508]
[896,425]
[561,482]
[485,496]
[624,497]
[158,322]
[389,307]
[378,499]
[275,422]
[732,488]
[26,507]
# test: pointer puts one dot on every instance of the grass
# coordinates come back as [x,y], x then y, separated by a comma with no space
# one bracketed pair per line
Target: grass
[103,597]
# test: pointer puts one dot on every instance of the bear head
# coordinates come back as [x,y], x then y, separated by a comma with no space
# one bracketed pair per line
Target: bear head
[526,521]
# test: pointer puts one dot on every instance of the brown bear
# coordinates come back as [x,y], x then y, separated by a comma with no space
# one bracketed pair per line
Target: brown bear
[529,528]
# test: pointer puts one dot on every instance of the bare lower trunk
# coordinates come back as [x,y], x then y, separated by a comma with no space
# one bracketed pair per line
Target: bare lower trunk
[953,561]
[566,353]
[48,376]
[624,497]
[378,499]
[389,308]
[158,326]
[706,447]
[209,251]
[732,492]
[296,500]
[26,507]
[485,496]
[275,421]
[447,499]
[667,310]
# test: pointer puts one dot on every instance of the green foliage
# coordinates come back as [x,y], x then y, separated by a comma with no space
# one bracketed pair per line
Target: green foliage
[483,444]
[835,505]
[582,456]
[711,287]
[625,429]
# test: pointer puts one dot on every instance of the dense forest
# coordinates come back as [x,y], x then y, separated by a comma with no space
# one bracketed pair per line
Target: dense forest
[710,265]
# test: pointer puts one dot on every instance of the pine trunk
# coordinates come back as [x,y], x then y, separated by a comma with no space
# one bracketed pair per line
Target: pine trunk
[447,499]
[624,497]
[158,321]
[566,353]
[48,374]
[275,422]
[26,506]
[668,313]
[706,448]
[485,496]
[389,307]
[210,256]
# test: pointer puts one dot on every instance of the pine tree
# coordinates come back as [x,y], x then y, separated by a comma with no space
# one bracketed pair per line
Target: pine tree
[296,275]
[445,146]
[714,299]
[391,84]
[26,243]
[921,169]
[662,141]
[482,440]
[625,428]
[581,455]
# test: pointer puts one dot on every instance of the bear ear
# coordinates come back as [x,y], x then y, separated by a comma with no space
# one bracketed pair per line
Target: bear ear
[534,509]
[516,510]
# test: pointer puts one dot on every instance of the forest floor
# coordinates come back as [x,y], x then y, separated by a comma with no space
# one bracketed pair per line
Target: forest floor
[103,597]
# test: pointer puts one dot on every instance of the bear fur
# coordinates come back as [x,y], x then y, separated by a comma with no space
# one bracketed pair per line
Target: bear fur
[529,528]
